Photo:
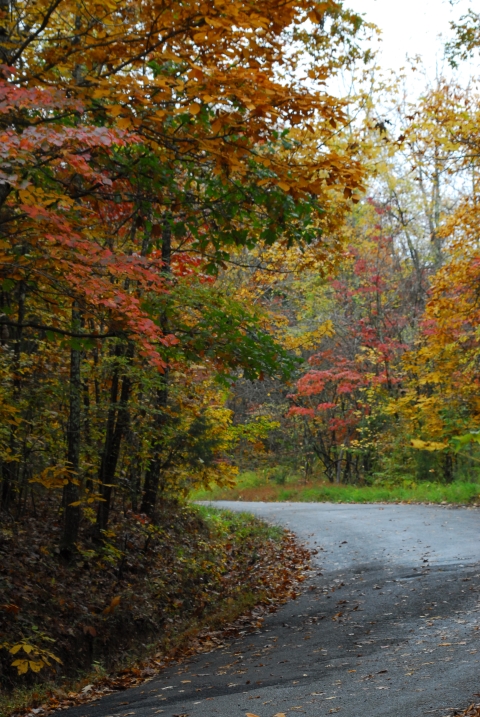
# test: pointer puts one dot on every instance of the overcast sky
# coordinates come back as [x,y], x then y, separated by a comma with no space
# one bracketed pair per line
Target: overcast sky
[413,27]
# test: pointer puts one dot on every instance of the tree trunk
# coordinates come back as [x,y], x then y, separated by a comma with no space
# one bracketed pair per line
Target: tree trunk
[117,425]
[338,477]
[10,469]
[71,492]
[448,465]
[4,49]
[152,475]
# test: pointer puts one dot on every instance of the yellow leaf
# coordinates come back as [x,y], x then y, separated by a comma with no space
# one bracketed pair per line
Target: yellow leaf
[52,477]
[36,666]
[124,123]
[428,445]
[25,196]
[284,186]
[21,665]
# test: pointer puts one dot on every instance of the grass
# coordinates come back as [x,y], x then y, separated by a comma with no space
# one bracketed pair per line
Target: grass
[242,525]
[253,486]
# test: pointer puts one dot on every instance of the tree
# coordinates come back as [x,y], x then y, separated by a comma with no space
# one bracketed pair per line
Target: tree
[145,147]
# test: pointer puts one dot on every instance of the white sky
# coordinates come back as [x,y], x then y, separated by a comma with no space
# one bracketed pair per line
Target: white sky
[412,27]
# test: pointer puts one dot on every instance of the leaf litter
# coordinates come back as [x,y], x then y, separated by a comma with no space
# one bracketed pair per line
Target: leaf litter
[271,570]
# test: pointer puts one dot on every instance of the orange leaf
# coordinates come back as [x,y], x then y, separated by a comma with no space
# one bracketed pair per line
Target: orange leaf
[113,604]
[115,110]
[195,108]
[10,608]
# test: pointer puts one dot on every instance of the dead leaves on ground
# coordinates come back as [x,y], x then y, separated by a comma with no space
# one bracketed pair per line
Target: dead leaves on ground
[277,577]
[472,711]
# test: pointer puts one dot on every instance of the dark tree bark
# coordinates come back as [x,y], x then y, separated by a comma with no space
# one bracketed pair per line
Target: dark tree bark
[117,425]
[10,469]
[71,492]
[4,53]
[152,475]
[448,468]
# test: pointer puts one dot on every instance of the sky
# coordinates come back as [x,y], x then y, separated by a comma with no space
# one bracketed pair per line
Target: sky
[413,27]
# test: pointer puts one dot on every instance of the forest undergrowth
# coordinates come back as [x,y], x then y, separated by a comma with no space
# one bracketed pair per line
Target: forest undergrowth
[120,612]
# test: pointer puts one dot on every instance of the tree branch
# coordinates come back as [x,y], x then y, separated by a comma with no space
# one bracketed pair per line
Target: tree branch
[63,332]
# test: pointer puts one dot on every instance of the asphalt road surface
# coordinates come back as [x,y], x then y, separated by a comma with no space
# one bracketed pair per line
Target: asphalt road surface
[387,625]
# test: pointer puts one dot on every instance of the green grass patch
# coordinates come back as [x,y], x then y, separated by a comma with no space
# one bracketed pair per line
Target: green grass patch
[243,525]
[422,493]
[259,487]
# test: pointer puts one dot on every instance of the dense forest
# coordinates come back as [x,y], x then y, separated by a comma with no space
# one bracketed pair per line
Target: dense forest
[385,388]
[212,260]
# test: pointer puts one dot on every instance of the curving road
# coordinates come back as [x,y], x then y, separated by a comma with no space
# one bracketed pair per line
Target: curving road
[388,625]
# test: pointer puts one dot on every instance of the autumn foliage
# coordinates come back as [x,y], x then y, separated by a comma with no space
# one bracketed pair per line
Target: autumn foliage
[146,149]
[386,391]
[209,262]
[142,145]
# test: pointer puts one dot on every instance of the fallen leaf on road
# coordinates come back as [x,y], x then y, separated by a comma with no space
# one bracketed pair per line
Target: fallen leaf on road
[472,711]
[250,714]
[445,644]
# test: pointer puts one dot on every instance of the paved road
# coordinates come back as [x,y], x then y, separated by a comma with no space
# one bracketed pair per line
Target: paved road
[387,626]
